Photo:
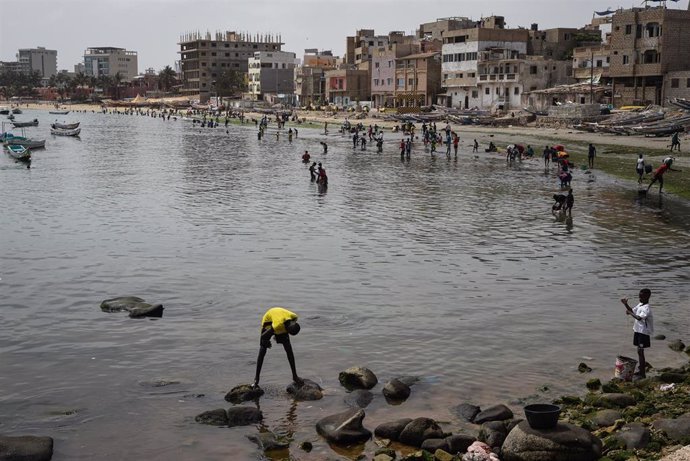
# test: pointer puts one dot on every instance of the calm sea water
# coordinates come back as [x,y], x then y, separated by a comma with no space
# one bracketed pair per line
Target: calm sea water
[455,271]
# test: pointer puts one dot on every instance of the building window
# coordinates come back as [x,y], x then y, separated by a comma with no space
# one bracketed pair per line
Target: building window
[626,59]
[376,65]
[532,70]
[498,91]
[203,53]
[487,91]
[628,29]
[213,44]
[687,83]
[376,82]
[675,83]
[389,81]
[599,63]
[516,91]
[227,45]
[475,94]
[213,54]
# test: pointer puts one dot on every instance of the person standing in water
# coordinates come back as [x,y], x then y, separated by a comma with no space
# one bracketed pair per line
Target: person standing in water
[659,174]
[640,168]
[312,172]
[591,153]
[279,323]
[643,326]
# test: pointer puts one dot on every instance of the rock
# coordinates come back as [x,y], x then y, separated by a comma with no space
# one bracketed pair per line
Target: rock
[243,393]
[687,350]
[136,307]
[493,433]
[309,390]
[386,451]
[408,380]
[660,337]
[391,430]
[565,442]
[593,384]
[442,455]
[306,446]
[343,428]
[383,457]
[359,398]
[610,400]
[268,441]
[26,448]
[459,443]
[420,429]
[218,417]
[605,418]
[583,368]
[676,345]
[146,310]
[611,387]
[495,413]
[244,416]
[431,445]
[358,378]
[671,377]
[467,411]
[677,429]
[396,391]
[634,436]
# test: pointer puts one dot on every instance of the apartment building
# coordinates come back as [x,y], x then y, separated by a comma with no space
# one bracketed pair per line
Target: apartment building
[646,44]
[38,60]
[383,72]
[310,77]
[109,61]
[417,79]
[592,62]
[270,74]
[203,57]
[435,30]
[347,86]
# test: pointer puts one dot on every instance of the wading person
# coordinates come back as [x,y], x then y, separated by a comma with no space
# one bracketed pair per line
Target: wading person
[640,168]
[280,323]
[643,326]
[658,174]
[592,152]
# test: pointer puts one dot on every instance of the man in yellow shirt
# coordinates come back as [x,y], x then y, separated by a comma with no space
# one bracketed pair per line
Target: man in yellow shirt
[281,323]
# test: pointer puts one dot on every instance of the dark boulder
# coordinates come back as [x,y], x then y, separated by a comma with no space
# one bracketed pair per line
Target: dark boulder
[610,400]
[146,310]
[420,429]
[493,433]
[244,416]
[431,445]
[136,307]
[243,393]
[359,398]
[26,448]
[677,429]
[344,428]
[358,378]
[467,411]
[396,391]
[495,413]
[392,429]
[676,345]
[308,390]
[459,443]
[634,436]
[605,418]
[217,417]
[565,442]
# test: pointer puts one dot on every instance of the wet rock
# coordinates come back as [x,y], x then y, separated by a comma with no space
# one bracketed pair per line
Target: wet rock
[343,428]
[217,417]
[383,457]
[594,384]
[605,418]
[442,455]
[610,400]
[396,391]
[243,393]
[634,436]
[676,345]
[493,433]
[687,350]
[672,377]
[136,307]
[306,446]
[26,448]
[467,411]
[358,378]
[408,380]
[308,390]
[392,429]
[459,443]
[660,337]
[244,416]
[431,445]
[359,398]
[583,368]
[268,441]
[495,413]
[677,429]
[160,382]
[416,456]
[420,429]
[565,442]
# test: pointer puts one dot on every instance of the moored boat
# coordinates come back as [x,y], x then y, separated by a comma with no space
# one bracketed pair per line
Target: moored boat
[4,110]
[23,124]
[59,132]
[19,152]
[65,126]
[16,110]
[59,112]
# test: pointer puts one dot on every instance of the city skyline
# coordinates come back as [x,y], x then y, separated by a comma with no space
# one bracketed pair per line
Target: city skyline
[152,28]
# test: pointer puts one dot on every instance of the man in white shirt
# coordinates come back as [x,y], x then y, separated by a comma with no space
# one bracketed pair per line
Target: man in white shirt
[643,326]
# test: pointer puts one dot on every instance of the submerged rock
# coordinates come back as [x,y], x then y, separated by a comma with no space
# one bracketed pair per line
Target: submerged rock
[308,390]
[420,429]
[467,411]
[359,398]
[136,307]
[244,416]
[26,448]
[268,441]
[243,393]
[565,442]
[396,391]
[344,428]
[358,378]
[676,345]
[217,417]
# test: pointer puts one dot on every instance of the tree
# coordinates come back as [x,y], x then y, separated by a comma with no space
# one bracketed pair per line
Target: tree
[230,82]
[166,78]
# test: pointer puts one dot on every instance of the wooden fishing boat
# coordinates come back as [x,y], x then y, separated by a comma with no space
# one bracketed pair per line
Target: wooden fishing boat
[23,124]
[4,110]
[58,112]
[59,132]
[65,126]
[16,110]
[19,152]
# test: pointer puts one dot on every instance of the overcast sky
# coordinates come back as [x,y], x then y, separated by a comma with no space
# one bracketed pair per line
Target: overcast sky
[153,27]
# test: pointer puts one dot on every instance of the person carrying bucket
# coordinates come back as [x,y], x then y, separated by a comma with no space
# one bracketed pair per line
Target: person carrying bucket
[643,326]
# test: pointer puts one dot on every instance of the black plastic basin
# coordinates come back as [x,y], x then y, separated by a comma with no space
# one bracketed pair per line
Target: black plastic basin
[542,415]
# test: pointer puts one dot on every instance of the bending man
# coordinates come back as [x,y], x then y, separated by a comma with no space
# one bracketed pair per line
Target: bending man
[282,324]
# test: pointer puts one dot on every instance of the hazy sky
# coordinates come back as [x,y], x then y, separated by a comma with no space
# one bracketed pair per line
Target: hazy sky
[153,27]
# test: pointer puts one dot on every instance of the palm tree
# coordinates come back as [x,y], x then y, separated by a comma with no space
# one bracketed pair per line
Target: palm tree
[166,78]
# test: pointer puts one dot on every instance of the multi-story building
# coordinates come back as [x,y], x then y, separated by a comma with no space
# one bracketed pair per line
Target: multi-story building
[347,86]
[271,73]
[646,44]
[383,72]
[417,79]
[111,61]
[38,60]
[310,77]
[204,57]
[592,62]
[435,30]
[10,66]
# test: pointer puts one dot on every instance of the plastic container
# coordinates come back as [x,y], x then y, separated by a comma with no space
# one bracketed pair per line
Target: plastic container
[625,368]
[542,415]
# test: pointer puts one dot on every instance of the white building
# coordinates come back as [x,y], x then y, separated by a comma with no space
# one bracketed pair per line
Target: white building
[271,73]
[38,59]
[110,61]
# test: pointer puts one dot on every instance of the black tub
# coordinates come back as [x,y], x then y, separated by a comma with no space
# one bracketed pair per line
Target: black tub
[542,415]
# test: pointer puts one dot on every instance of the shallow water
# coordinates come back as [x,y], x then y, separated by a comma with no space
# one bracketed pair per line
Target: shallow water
[455,271]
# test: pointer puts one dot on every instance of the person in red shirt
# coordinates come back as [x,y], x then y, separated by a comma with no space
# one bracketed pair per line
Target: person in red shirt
[456,141]
[658,174]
